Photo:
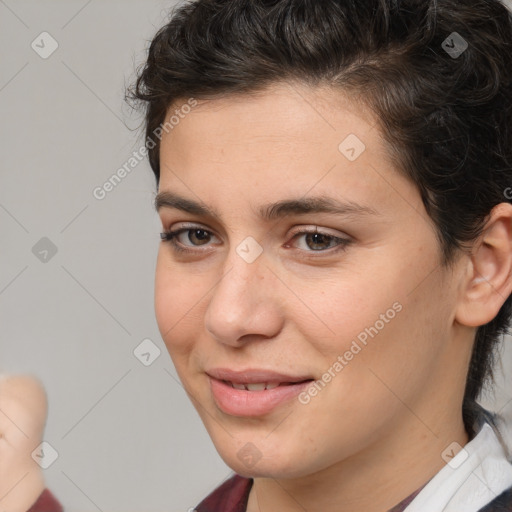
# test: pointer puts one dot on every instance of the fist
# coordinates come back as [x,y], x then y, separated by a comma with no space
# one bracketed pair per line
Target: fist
[23,410]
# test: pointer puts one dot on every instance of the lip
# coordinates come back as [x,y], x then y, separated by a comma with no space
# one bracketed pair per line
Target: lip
[237,402]
[254,375]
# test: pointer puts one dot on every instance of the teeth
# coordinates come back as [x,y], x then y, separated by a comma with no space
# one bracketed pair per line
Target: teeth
[258,386]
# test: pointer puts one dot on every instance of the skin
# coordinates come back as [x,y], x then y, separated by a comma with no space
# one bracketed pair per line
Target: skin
[376,432]
[23,410]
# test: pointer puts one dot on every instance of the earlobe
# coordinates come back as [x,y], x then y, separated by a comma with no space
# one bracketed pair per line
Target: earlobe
[489,277]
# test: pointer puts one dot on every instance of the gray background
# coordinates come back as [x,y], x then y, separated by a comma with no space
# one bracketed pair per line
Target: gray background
[127,436]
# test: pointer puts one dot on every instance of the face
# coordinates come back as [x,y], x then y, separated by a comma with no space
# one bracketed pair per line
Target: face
[354,300]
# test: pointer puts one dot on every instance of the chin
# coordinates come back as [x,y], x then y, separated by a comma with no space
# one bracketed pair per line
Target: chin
[249,462]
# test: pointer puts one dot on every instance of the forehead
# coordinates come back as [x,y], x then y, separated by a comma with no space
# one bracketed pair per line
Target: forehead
[289,140]
[277,113]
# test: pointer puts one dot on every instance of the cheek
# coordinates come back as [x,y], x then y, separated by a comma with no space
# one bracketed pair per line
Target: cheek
[177,306]
[376,318]
[343,306]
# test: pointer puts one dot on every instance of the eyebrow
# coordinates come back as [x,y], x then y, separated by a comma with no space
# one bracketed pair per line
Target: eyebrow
[270,211]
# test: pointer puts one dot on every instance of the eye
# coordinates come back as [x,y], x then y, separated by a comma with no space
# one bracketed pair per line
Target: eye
[317,241]
[196,235]
[185,239]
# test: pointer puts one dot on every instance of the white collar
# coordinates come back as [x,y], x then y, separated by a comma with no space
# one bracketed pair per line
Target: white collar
[474,477]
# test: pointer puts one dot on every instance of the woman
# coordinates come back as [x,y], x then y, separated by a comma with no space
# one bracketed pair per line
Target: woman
[335,269]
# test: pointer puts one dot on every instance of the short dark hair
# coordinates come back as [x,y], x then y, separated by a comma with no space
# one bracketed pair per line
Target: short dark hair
[445,110]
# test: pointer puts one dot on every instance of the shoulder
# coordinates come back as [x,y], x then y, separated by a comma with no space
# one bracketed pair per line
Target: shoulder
[502,503]
[230,496]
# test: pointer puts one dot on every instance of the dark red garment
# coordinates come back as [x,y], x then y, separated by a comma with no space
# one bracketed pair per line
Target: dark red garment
[230,496]
[46,503]
[233,494]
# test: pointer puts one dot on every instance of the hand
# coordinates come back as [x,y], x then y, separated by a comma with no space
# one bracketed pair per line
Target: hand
[23,410]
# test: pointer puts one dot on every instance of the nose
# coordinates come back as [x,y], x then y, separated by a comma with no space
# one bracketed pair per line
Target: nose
[245,304]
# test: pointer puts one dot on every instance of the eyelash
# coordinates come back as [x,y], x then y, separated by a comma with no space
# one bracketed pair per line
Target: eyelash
[170,236]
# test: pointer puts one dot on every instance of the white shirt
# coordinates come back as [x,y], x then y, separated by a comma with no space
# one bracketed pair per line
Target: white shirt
[479,473]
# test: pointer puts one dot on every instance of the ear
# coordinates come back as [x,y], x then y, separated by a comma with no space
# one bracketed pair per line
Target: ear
[488,282]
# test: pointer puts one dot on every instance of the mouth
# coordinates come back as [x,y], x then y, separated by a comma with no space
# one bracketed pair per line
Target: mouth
[257,376]
[253,393]
[261,386]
